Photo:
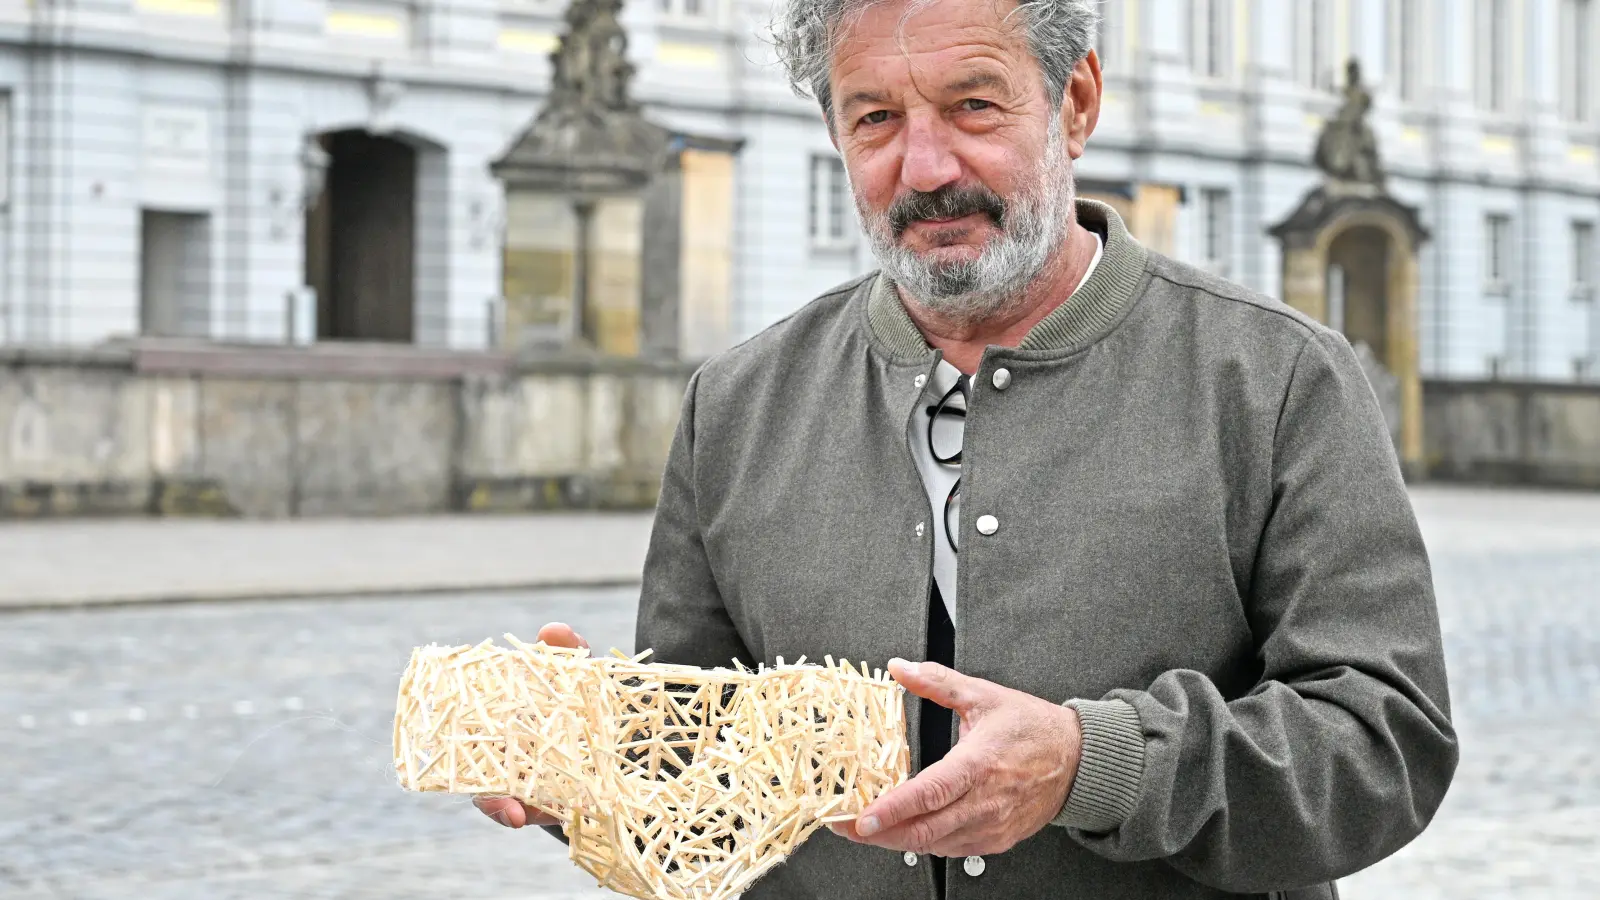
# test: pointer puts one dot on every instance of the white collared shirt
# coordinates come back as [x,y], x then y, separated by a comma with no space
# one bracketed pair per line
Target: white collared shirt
[937,478]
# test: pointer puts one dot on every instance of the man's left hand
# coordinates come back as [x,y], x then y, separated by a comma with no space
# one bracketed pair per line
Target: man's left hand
[1005,779]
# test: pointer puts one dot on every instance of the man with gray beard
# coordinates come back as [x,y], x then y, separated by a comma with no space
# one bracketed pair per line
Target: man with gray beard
[1142,530]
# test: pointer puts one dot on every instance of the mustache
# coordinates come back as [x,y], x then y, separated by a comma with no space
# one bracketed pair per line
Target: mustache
[949,202]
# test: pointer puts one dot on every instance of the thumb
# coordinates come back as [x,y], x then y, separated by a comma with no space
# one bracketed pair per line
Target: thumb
[941,684]
[560,634]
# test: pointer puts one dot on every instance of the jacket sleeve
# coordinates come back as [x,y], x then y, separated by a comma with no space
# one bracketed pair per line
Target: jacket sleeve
[681,614]
[1343,750]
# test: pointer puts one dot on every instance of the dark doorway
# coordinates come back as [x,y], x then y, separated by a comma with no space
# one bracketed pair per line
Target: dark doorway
[1358,298]
[361,239]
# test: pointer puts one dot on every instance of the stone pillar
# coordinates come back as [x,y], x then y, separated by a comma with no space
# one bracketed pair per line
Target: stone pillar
[661,252]
[612,289]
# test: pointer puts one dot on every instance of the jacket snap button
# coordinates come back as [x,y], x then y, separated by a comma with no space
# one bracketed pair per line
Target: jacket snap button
[919,381]
[1001,379]
[987,525]
[974,866]
[910,858]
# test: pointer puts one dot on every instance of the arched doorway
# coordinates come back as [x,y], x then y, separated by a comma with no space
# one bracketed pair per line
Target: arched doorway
[1350,261]
[360,254]
[1358,296]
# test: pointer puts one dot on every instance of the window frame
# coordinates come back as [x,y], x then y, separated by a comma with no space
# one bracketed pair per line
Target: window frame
[7,129]
[1581,233]
[1499,245]
[1315,67]
[1577,64]
[1211,51]
[1216,230]
[1408,70]
[828,204]
[1110,39]
[675,13]
[1496,87]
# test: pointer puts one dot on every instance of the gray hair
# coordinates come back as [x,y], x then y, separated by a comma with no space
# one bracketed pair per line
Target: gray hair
[806,32]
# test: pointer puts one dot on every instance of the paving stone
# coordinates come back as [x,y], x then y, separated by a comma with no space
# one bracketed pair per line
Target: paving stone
[241,750]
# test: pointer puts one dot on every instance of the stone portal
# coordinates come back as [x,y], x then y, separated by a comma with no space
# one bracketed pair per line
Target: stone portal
[1350,261]
[619,233]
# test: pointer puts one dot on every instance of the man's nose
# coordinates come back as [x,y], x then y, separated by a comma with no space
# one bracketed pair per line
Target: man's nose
[929,163]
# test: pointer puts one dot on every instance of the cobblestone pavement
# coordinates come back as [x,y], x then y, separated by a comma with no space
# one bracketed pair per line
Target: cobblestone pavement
[241,750]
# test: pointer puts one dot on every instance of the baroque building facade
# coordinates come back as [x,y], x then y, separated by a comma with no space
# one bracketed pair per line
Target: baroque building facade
[189,167]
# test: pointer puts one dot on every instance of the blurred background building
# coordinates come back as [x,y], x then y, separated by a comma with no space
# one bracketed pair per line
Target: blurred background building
[311,215]
[168,160]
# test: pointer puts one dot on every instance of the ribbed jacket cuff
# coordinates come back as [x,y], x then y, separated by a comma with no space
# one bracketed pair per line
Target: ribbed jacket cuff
[1109,769]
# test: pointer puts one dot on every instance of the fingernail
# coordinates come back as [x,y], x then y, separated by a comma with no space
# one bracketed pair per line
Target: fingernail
[909,668]
[503,817]
[866,826]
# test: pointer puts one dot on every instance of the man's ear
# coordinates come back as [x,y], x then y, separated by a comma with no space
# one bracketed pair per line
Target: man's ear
[1080,108]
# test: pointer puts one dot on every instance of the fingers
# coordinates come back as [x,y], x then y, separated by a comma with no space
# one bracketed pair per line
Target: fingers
[560,634]
[942,685]
[937,832]
[504,810]
[933,789]
[511,813]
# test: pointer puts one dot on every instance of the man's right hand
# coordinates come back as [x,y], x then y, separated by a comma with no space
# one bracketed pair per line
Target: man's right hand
[506,810]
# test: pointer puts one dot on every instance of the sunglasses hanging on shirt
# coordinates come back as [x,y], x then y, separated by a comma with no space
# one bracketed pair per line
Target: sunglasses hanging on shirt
[943,408]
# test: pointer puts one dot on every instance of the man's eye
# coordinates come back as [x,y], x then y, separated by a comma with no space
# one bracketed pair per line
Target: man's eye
[876,117]
[976,105]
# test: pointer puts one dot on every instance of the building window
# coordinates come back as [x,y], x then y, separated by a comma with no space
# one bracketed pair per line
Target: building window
[830,202]
[1586,364]
[1210,38]
[1583,260]
[1216,207]
[1405,49]
[1577,60]
[1108,43]
[5,153]
[688,9]
[1494,55]
[1497,254]
[1314,63]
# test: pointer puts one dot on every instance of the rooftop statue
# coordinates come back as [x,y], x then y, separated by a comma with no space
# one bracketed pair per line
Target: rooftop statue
[1347,150]
[591,134]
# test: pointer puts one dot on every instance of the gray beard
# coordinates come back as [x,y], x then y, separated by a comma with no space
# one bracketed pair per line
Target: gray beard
[972,291]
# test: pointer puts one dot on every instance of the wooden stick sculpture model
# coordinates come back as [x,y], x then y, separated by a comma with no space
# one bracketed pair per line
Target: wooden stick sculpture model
[672,782]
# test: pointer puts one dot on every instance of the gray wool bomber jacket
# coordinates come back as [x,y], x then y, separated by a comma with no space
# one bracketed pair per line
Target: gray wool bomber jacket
[1205,545]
